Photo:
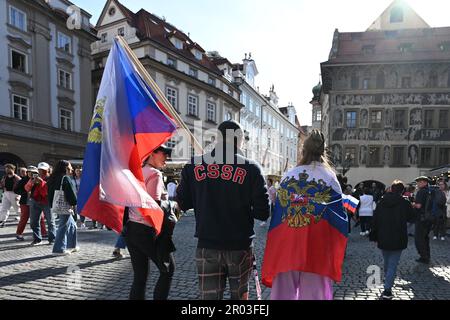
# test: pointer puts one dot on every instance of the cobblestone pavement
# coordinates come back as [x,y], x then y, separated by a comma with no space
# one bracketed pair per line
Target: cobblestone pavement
[33,273]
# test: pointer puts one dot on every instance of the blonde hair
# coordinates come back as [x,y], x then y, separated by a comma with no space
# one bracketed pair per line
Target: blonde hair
[314,150]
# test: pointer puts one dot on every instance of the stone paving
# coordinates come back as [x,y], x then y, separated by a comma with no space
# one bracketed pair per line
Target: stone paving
[93,274]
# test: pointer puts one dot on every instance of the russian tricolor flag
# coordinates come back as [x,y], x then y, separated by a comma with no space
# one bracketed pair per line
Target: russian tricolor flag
[350,203]
[309,228]
[129,122]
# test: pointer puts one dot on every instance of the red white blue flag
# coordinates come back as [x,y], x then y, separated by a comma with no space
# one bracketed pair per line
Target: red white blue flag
[129,123]
[309,228]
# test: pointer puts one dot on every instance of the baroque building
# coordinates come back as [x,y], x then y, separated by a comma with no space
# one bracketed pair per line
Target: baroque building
[387,95]
[45,81]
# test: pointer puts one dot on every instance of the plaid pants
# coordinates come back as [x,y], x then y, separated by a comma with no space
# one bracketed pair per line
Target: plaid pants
[215,266]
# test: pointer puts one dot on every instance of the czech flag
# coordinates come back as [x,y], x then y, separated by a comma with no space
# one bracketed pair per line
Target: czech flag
[309,228]
[129,123]
[350,203]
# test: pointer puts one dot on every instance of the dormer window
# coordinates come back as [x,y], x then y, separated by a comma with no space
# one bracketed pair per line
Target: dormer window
[405,47]
[177,43]
[369,49]
[396,15]
[198,55]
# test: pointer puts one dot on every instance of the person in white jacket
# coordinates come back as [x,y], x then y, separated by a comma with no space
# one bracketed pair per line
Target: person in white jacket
[366,207]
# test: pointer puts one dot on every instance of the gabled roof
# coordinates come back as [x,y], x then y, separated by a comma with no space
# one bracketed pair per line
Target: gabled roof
[151,27]
[409,18]
[386,46]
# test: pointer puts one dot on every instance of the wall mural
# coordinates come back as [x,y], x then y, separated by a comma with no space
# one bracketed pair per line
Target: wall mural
[413,152]
[362,155]
[413,133]
[394,99]
[415,117]
[336,154]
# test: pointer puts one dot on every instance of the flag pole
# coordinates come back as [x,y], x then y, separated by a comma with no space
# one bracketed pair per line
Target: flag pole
[147,78]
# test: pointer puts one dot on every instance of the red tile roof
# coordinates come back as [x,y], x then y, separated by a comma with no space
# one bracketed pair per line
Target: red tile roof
[386,45]
[150,26]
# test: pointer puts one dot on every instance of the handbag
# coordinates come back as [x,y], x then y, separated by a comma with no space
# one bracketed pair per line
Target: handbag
[60,205]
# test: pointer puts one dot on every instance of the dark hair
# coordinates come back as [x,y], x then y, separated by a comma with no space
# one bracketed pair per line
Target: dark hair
[397,187]
[270,180]
[227,127]
[60,169]
[366,190]
[314,149]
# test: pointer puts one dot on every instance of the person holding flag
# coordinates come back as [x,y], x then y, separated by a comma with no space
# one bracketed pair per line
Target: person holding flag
[308,232]
[131,120]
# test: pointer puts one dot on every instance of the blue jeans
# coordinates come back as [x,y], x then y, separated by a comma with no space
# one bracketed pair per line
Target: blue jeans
[391,260]
[66,235]
[121,244]
[35,217]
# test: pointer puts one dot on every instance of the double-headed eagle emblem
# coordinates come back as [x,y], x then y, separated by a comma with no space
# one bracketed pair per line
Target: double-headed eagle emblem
[302,201]
[95,130]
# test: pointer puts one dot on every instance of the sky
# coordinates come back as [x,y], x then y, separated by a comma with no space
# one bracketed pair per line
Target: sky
[288,39]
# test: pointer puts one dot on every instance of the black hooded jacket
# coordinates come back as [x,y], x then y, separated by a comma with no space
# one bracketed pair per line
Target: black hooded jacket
[226,199]
[390,220]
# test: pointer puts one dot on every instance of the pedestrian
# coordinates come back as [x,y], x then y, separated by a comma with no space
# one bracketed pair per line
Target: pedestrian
[272,192]
[172,189]
[440,211]
[375,192]
[308,233]
[37,186]
[390,231]
[366,207]
[227,192]
[10,198]
[141,239]
[66,235]
[24,205]
[423,204]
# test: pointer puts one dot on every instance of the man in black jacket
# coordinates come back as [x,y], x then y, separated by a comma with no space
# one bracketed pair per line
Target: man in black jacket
[390,231]
[227,192]
[423,206]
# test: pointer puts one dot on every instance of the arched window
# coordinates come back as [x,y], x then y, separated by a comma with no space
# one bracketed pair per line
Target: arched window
[380,79]
[396,15]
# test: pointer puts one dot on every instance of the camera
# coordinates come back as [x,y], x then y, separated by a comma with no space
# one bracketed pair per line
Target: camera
[35,175]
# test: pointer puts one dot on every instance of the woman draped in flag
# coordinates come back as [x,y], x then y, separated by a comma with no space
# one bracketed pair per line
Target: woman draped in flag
[308,231]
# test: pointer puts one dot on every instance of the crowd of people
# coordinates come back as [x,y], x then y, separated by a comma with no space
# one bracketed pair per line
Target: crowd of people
[386,216]
[227,197]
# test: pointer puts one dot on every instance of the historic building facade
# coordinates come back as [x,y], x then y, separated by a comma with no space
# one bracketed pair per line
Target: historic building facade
[45,87]
[387,91]
[191,80]
[272,132]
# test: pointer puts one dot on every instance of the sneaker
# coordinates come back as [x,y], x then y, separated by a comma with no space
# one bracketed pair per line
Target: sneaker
[74,250]
[64,253]
[36,243]
[387,295]
[434,238]
[117,254]
[20,238]
[442,238]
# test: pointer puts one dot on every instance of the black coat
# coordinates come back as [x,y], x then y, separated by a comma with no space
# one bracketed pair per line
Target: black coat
[390,220]
[226,199]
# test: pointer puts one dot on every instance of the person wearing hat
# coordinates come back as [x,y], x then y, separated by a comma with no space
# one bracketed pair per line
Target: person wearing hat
[140,236]
[10,199]
[227,192]
[24,204]
[37,186]
[423,224]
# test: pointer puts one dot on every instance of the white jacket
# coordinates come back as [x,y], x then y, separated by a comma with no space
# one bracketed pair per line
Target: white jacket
[366,205]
